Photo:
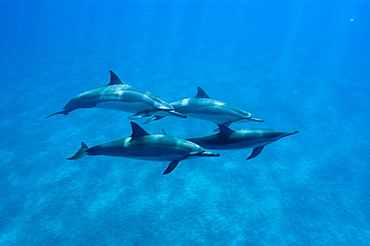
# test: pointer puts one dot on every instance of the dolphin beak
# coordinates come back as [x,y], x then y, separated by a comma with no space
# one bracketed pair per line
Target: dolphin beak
[290,133]
[207,153]
[255,119]
[175,113]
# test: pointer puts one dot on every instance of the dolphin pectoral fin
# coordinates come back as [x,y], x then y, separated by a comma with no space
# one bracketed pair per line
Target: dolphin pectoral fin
[80,153]
[60,112]
[171,166]
[153,119]
[255,152]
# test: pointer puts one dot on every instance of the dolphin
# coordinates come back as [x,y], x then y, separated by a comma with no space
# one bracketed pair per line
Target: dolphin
[117,95]
[255,138]
[141,145]
[203,107]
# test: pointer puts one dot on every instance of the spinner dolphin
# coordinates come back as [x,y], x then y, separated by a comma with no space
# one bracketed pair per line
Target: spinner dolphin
[117,95]
[205,108]
[141,145]
[255,138]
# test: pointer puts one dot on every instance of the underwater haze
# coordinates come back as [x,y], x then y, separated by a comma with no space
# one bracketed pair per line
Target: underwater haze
[299,65]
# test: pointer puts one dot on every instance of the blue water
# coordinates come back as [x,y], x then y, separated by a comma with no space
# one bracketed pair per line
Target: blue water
[299,65]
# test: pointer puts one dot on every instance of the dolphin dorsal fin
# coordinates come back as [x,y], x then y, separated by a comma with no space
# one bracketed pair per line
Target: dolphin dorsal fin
[137,131]
[201,93]
[224,130]
[114,80]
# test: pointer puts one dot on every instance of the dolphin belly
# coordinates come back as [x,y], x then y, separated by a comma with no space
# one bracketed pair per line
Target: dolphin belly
[158,157]
[218,143]
[211,117]
[157,152]
[132,107]
[209,113]
[151,152]
[210,110]
[250,144]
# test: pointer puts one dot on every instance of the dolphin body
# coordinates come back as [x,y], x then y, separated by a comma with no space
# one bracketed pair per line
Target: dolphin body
[203,107]
[255,138]
[141,145]
[119,96]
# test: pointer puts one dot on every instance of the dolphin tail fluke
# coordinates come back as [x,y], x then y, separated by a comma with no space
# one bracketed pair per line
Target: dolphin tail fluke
[171,166]
[255,152]
[80,153]
[290,133]
[60,112]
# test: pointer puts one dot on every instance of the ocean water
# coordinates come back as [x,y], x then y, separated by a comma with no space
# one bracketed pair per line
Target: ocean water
[299,65]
